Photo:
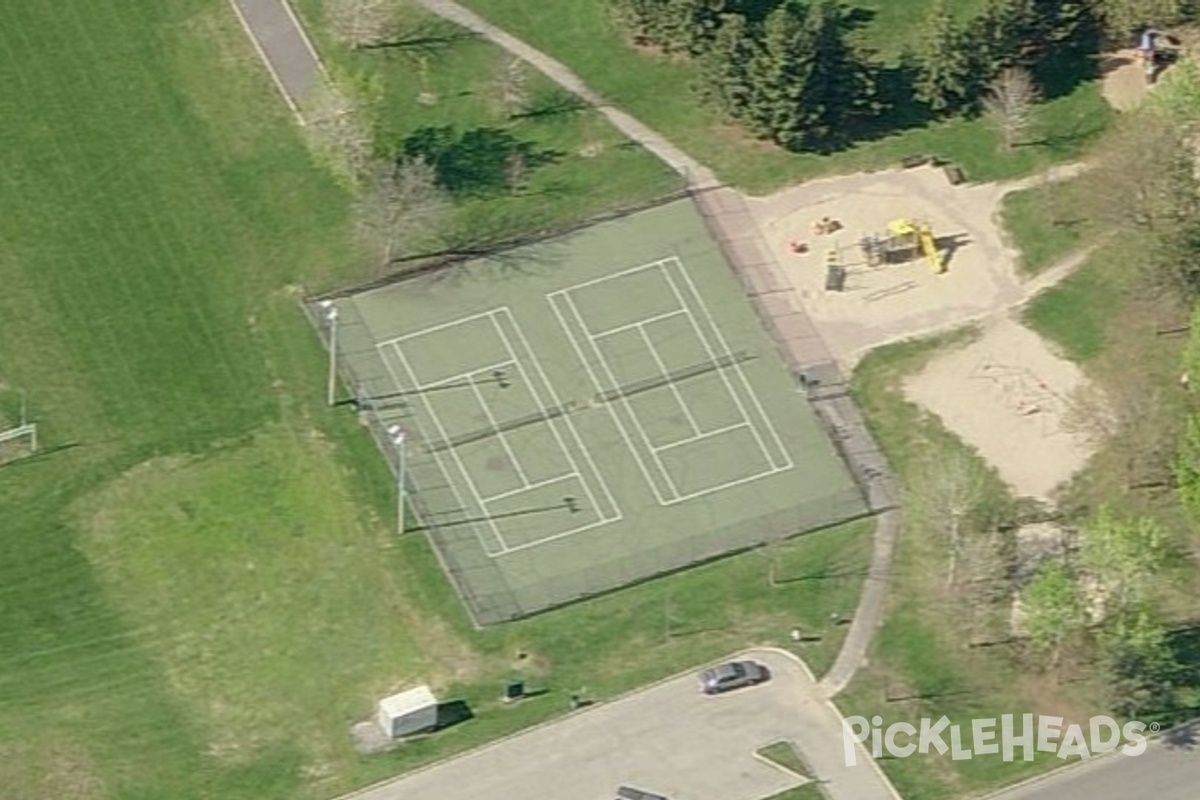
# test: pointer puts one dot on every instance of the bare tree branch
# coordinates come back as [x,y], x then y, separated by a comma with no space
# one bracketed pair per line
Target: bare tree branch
[338,131]
[1008,104]
[401,210]
[510,86]
[363,23]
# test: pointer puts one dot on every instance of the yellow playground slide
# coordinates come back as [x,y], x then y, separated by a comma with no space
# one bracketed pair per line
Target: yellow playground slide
[929,248]
[923,235]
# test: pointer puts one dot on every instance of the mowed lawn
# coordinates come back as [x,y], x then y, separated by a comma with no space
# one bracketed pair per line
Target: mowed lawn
[661,91]
[200,588]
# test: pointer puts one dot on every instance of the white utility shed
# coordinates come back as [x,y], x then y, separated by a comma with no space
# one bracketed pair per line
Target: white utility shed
[409,712]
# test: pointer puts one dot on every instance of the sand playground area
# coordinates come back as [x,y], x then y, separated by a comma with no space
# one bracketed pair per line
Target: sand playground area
[879,304]
[1005,393]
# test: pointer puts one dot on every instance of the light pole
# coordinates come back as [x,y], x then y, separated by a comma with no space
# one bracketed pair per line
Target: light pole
[398,440]
[331,316]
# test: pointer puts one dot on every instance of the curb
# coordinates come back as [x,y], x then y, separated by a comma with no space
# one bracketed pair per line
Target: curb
[837,711]
[555,720]
[1075,766]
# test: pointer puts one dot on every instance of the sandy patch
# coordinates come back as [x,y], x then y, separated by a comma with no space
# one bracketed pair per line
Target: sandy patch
[1124,82]
[885,303]
[1006,394]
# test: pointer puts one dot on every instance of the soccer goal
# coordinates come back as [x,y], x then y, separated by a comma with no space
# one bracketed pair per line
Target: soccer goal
[19,440]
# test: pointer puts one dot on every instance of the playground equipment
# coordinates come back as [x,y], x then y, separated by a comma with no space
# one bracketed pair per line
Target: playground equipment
[835,273]
[907,239]
[1156,51]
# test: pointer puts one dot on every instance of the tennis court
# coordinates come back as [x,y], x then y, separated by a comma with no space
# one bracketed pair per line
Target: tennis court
[587,412]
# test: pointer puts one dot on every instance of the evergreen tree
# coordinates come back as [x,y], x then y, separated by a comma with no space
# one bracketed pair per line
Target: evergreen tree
[839,81]
[725,68]
[779,72]
[1002,35]
[943,61]
[674,26]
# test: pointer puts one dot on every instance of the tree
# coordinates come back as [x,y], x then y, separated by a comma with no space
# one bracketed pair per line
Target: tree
[401,211]
[1144,184]
[1187,467]
[477,163]
[510,86]
[779,73]
[1008,104]
[363,23]
[673,26]
[1053,612]
[339,130]
[1140,663]
[1123,17]
[839,82]
[949,493]
[1001,36]
[725,68]
[1123,555]
[943,61]
[793,78]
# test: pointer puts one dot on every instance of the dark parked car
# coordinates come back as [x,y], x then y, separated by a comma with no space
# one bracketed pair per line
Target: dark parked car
[732,675]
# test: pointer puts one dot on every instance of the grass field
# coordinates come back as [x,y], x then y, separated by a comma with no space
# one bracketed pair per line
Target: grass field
[200,586]
[590,166]
[1077,314]
[1040,228]
[659,91]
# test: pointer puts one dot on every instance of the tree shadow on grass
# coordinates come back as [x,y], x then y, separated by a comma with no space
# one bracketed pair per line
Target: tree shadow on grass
[550,103]
[426,38]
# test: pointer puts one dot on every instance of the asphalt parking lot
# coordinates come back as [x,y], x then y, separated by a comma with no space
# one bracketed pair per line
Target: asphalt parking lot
[669,739]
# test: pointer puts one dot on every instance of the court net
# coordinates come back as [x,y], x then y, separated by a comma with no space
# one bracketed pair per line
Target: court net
[674,376]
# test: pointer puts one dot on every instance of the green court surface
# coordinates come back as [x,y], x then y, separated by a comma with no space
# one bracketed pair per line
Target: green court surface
[587,412]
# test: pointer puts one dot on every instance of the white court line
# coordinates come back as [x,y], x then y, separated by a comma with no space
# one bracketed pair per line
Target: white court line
[499,434]
[638,324]
[599,387]
[587,454]
[662,368]
[601,517]
[788,464]
[610,276]
[527,487]
[453,451]
[704,435]
[458,498]
[436,328]
[623,399]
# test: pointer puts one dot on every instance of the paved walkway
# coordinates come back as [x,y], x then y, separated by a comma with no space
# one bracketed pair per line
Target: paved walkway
[283,46]
[696,174]
[669,739]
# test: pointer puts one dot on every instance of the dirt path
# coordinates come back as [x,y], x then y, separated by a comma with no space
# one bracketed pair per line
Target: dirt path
[1054,275]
